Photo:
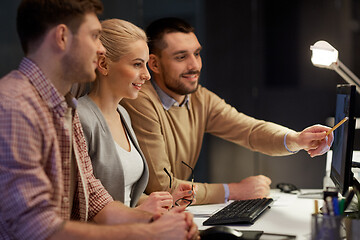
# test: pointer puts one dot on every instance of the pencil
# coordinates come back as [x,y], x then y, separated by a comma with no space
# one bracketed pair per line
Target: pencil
[316,206]
[336,126]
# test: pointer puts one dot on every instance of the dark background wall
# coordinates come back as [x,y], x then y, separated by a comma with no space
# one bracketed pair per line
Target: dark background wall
[256,56]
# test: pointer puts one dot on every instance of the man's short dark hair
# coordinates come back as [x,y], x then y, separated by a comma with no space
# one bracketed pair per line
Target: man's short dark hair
[156,30]
[35,17]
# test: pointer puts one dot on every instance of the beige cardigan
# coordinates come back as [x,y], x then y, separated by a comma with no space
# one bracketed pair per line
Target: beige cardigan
[169,137]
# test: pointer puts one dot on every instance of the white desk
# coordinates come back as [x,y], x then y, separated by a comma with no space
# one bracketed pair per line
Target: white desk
[288,215]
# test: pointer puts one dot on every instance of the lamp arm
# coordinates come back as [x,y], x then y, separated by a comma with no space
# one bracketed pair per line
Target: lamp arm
[347,75]
[344,76]
[350,73]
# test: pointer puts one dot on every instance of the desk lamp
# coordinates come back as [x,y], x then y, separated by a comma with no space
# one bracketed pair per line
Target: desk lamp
[326,56]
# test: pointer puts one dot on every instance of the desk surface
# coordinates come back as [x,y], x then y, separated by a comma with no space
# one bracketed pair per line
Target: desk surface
[288,215]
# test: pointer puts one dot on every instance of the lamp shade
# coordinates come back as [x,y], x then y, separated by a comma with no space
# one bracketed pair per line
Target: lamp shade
[326,56]
[323,54]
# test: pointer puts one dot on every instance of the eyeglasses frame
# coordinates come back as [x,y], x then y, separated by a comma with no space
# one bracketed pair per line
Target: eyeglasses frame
[192,185]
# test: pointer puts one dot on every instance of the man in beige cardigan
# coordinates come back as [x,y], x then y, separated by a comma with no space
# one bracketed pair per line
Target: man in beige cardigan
[173,111]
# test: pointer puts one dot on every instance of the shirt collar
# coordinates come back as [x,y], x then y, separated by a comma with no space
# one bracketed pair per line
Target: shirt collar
[168,101]
[45,88]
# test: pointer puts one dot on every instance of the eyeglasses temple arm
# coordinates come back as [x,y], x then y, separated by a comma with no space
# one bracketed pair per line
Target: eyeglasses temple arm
[168,175]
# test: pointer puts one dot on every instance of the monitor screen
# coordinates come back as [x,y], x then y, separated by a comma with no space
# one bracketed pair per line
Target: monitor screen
[343,143]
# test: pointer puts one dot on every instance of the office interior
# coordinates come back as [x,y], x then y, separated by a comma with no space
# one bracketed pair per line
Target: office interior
[256,55]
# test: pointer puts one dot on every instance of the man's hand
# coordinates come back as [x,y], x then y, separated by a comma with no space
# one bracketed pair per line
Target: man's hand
[250,188]
[312,139]
[193,232]
[157,202]
[175,224]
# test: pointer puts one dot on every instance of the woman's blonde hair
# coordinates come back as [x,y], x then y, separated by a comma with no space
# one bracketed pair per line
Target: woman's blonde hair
[117,36]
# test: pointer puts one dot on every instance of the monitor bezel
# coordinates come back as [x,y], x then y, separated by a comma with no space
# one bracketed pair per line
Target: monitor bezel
[343,179]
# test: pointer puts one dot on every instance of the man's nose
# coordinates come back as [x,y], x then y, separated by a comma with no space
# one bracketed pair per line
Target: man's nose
[101,49]
[194,63]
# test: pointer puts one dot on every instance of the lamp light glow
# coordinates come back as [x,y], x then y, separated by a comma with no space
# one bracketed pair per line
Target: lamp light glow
[323,54]
[326,56]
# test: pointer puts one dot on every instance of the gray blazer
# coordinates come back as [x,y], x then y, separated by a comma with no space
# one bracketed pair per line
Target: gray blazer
[102,150]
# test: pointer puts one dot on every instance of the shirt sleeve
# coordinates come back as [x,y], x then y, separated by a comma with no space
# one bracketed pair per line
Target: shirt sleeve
[98,195]
[28,208]
[226,122]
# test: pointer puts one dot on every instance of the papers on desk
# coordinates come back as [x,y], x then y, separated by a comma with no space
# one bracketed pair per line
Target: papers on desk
[311,193]
[205,211]
[281,201]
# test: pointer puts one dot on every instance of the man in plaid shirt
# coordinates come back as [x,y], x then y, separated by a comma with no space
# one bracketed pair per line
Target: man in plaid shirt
[48,190]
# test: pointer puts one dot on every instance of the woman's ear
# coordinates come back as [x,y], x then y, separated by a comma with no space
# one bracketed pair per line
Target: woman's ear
[153,63]
[102,65]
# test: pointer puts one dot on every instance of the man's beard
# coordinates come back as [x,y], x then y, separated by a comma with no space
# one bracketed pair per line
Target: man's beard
[75,68]
[180,88]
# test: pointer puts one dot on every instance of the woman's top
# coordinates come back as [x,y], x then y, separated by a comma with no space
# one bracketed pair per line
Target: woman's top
[133,168]
[102,150]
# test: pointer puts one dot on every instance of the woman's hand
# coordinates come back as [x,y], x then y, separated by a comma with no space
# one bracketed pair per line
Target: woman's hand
[184,191]
[157,203]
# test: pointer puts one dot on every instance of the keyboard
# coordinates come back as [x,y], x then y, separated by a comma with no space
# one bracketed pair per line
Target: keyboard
[241,211]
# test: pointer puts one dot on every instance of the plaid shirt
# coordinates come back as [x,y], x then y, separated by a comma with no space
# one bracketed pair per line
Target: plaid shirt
[35,159]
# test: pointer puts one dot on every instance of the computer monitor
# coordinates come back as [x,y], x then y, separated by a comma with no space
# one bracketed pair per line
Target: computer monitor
[343,143]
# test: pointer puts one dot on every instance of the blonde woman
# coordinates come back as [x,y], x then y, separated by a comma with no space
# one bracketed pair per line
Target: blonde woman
[115,153]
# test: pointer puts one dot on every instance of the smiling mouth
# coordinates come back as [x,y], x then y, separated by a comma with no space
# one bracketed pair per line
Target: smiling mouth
[137,85]
[193,77]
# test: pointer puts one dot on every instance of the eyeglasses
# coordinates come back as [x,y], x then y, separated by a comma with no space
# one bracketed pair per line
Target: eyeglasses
[183,201]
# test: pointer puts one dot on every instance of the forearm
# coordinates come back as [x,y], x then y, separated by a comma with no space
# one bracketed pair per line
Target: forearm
[254,134]
[118,213]
[77,230]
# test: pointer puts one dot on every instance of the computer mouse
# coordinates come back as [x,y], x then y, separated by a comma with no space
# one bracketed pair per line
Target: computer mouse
[220,232]
[286,187]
